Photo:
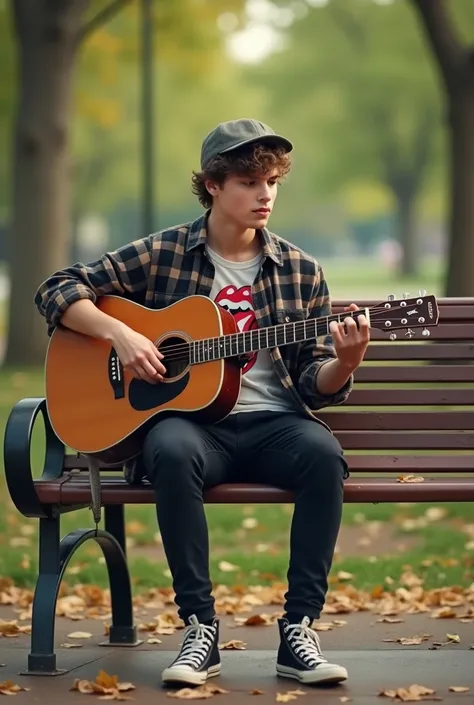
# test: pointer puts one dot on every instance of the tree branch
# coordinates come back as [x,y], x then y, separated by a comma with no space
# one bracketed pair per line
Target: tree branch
[441,36]
[101,18]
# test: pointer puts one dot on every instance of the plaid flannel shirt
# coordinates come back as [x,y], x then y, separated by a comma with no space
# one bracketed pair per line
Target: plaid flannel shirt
[157,270]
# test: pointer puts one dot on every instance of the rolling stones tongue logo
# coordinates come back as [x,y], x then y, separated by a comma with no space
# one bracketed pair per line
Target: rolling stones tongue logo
[239,303]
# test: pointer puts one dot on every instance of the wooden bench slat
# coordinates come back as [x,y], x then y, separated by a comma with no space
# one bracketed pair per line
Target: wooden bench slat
[420,351]
[417,373]
[362,462]
[404,440]
[429,397]
[356,489]
[357,463]
[398,420]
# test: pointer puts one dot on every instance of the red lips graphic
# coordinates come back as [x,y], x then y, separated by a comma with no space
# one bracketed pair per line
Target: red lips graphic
[239,303]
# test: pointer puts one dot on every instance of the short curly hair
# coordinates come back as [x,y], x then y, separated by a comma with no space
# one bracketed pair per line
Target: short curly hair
[255,159]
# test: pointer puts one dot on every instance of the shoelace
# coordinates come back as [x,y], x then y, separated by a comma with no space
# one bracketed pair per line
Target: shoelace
[305,642]
[198,638]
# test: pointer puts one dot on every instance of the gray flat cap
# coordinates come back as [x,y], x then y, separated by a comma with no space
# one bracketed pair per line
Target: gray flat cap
[227,136]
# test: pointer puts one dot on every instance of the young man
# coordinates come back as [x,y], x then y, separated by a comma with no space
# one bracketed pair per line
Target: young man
[272,435]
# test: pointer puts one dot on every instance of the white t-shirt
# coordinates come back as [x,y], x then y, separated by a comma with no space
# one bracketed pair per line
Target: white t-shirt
[261,389]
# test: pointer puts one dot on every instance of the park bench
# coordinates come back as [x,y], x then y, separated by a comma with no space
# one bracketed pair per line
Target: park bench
[410,413]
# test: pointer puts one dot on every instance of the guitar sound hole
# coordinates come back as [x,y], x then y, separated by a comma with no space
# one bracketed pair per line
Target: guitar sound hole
[176,359]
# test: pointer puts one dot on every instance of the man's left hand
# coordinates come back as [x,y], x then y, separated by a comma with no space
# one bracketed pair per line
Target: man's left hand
[350,338]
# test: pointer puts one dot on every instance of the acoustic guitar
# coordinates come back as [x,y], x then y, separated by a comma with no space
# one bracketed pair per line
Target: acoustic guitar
[97,407]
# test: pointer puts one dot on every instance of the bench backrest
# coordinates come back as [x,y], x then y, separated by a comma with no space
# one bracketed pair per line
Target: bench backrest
[414,394]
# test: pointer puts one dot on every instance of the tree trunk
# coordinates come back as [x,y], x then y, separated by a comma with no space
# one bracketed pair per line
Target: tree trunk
[460,279]
[39,235]
[406,232]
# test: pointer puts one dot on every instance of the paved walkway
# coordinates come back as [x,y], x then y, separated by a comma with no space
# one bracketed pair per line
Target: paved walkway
[373,664]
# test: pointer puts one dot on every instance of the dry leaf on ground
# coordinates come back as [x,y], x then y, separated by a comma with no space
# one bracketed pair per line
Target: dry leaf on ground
[414,693]
[459,688]
[255,691]
[79,635]
[227,567]
[66,645]
[208,690]
[11,688]
[284,697]
[10,628]
[108,687]
[233,644]
[345,699]
[258,620]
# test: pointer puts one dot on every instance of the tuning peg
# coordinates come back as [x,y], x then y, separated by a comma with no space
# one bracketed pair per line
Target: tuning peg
[410,333]
[425,332]
[422,292]
[406,296]
[393,336]
[391,297]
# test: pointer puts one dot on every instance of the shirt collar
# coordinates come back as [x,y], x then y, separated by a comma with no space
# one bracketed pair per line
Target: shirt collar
[197,236]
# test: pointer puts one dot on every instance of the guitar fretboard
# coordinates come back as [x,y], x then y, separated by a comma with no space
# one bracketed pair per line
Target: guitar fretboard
[236,344]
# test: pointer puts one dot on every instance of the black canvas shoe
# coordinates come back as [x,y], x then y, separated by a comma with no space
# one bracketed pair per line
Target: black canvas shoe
[199,657]
[300,656]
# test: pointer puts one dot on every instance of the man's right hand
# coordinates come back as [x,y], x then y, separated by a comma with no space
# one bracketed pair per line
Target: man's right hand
[138,354]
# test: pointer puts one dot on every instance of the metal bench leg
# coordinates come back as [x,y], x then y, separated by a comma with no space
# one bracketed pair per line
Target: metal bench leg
[42,659]
[54,559]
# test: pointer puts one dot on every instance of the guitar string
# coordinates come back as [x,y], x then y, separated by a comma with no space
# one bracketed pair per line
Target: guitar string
[182,351]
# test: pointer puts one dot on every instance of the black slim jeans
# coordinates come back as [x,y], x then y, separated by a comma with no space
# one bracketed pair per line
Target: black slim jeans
[281,449]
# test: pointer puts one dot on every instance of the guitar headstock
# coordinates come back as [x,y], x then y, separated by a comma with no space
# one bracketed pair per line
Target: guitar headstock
[417,312]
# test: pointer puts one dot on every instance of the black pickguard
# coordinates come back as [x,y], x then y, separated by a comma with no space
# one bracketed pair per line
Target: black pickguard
[144,396]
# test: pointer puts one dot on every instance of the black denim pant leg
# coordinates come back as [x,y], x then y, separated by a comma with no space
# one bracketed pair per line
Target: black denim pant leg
[182,459]
[299,454]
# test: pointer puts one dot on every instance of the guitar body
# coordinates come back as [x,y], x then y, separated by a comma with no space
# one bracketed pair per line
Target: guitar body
[98,408]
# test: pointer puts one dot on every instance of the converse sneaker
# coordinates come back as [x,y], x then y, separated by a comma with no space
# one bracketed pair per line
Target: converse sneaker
[300,656]
[199,657]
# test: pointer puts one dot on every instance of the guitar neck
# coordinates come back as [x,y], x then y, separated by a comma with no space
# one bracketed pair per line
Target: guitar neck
[251,341]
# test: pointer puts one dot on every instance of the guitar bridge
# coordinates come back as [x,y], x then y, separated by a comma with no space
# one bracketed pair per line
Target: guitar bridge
[115,371]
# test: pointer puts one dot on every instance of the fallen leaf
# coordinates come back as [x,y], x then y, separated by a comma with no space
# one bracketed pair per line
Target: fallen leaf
[226,567]
[284,697]
[153,641]
[454,637]
[201,693]
[459,688]
[249,523]
[413,640]
[233,644]
[72,646]
[444,613]
[165,631]
[414,693]
[343,575]
[345,699]
[410,478]
[106,686]
[257,692]
[79,635]
[10,688]
[322,626]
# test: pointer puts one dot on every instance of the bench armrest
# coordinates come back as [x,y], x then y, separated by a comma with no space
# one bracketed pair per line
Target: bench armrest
[17,456]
